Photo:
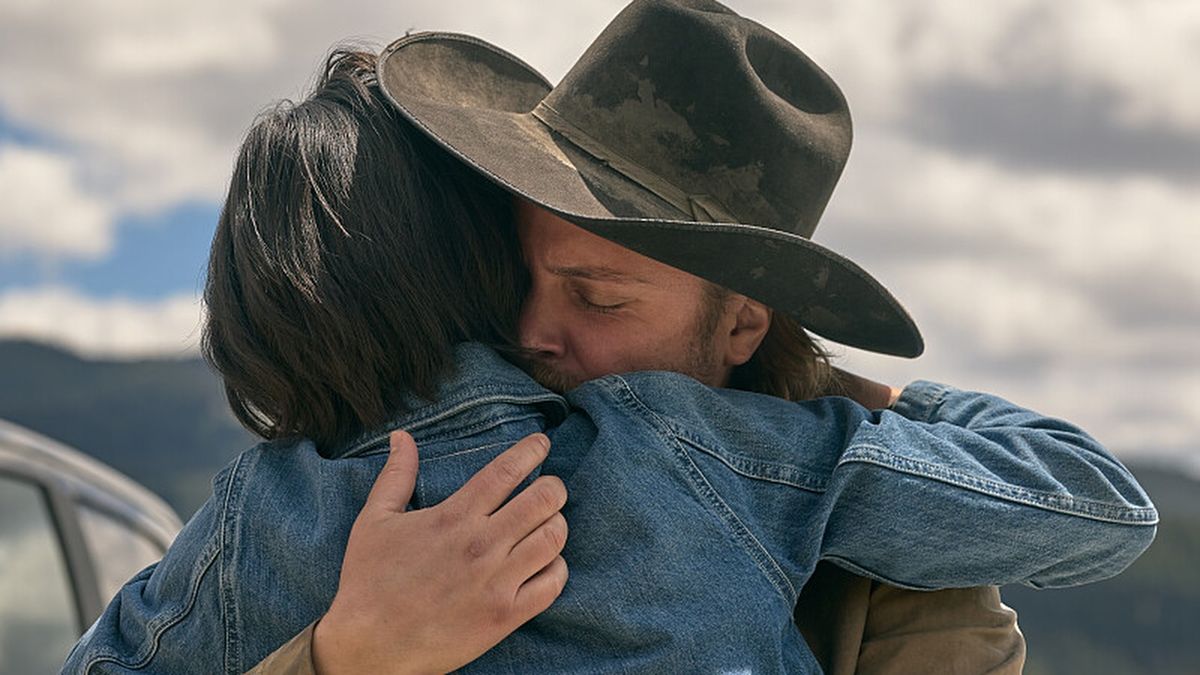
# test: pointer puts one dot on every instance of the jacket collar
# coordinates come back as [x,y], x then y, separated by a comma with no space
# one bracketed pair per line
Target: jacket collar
[481,377]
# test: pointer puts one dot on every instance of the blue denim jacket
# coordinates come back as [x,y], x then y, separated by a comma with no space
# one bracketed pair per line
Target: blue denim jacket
[696,515]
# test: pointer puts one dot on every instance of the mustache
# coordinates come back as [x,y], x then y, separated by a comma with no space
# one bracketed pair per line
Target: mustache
[541,370]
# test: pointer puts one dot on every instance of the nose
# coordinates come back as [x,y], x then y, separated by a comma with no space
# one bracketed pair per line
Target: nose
[540,330]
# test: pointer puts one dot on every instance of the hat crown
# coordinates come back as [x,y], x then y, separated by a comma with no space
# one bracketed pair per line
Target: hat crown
[717,106]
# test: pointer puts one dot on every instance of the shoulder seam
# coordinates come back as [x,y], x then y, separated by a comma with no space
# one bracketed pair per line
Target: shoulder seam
[705,491]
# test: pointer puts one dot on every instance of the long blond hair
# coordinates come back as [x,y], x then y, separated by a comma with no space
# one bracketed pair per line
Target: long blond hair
[789,364]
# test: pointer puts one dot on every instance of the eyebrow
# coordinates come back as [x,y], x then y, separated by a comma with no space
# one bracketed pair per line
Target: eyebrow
[597,273]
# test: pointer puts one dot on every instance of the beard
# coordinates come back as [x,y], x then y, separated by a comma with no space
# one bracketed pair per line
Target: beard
[548,376]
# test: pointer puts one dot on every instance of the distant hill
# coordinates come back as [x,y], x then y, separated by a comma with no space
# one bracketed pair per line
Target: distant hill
[1147,620]
[165,423]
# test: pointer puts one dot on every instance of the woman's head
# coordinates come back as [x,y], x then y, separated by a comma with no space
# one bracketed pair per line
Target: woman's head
[351,255]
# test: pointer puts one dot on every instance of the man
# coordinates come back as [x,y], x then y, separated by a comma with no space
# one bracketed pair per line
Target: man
[674,119]
[595,308]
[610,150]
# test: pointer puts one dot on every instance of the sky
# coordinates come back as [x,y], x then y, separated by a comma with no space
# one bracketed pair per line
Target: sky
[1025,175]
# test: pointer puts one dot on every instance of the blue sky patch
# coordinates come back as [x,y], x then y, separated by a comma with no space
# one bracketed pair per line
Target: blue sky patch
[155,257]
[12,133]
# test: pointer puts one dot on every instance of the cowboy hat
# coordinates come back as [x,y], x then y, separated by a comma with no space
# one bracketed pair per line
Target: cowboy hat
[686,133]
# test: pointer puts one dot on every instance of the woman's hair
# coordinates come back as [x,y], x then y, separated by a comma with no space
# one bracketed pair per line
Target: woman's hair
[351,255]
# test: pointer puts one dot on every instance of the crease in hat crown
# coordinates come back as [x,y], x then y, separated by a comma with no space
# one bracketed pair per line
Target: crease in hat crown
[704,98]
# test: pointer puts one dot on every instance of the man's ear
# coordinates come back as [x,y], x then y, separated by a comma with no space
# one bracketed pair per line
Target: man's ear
[752,319]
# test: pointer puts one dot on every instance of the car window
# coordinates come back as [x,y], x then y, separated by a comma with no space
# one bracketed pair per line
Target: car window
[38,619]
[117,551]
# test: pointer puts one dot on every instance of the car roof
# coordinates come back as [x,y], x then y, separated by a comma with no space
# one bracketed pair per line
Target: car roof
[28,453]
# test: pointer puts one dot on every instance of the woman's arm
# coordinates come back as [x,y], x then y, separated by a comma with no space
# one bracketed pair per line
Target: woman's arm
[426,590]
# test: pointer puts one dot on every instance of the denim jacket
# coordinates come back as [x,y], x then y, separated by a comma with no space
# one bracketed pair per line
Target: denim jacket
[696,515]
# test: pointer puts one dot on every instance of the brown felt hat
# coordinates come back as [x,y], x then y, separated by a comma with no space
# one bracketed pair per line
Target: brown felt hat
[686,133]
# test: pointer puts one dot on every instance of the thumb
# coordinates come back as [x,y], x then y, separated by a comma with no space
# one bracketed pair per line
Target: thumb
[394,486]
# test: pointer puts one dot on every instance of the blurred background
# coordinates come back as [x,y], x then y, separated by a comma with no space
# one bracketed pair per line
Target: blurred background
[1025,178]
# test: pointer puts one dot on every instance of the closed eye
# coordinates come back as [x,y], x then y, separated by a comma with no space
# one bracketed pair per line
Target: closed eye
[601,305]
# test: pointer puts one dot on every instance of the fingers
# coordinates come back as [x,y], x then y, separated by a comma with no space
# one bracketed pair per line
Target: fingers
[394,486]
[488,489]
[865,391]
[529,509]
[537,594]
[537,550]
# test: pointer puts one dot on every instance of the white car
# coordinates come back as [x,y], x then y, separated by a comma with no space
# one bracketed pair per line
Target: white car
[72,531]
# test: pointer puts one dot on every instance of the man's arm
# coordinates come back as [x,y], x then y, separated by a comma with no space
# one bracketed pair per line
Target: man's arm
[956,630]
[951,489]
[985,492]
[856,626]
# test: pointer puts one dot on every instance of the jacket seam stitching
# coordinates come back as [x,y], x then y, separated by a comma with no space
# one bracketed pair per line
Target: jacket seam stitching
[230,529]
[880,456]
[211,553]
[411,425]
[468,451]
[703,489]
[757,469]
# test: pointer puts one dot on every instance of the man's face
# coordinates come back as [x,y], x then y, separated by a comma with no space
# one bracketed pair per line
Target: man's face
[596,308]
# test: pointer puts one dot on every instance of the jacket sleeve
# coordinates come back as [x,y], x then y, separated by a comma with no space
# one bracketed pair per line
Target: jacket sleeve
[293,658]
[168,618]
[949,489]
[954,488]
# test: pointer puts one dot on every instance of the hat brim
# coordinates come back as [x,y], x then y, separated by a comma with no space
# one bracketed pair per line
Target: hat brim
[475,100]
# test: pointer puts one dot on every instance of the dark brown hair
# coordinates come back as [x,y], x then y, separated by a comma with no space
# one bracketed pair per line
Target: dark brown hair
[350,257]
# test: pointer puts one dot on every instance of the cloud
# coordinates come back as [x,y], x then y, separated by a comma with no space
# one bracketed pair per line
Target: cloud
[886,54]
[152,97]
[124,89]
[155,39]
[116,327]
[1047,223]
[1074,365]
[1023,178]
[46,211]
[1049,126]
[1077,295]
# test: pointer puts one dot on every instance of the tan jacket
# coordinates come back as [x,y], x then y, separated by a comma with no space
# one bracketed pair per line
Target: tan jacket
[855,625]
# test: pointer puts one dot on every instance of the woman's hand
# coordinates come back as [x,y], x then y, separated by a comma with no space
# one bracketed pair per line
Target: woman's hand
[867,393]
[432,589]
